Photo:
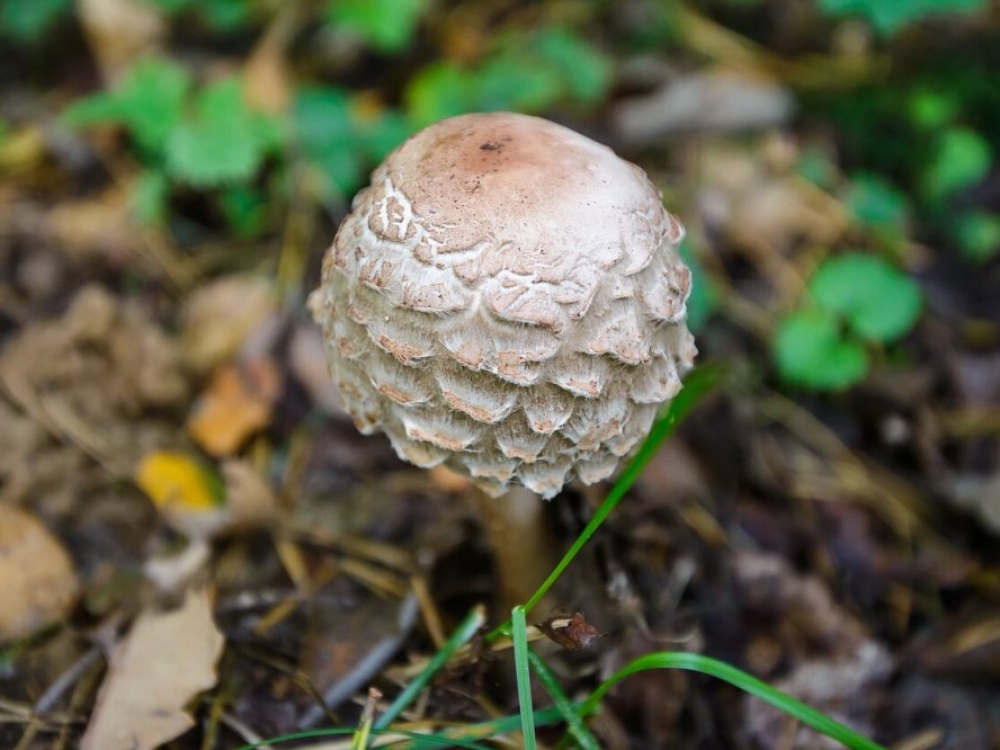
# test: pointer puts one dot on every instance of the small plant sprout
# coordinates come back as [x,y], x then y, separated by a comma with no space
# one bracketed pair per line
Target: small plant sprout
[506,298]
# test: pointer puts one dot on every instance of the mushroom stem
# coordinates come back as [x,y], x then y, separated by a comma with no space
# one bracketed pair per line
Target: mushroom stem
[519,534]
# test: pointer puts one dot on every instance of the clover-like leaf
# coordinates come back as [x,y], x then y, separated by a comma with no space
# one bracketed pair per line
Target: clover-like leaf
[963,157]
[978,235]
[872,200]
[585,71]
[28,20]
[388,25]
[148,102]
[888,16]
[879,302]
[810,351]
[440,90]
[222,140]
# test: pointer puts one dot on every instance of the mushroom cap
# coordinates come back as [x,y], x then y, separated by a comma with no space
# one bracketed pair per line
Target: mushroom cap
[506,297]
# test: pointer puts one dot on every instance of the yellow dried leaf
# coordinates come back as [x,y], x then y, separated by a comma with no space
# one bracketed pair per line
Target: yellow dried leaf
[176,482]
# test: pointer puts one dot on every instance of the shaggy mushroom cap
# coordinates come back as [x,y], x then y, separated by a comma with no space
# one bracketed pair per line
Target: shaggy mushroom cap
[506,297]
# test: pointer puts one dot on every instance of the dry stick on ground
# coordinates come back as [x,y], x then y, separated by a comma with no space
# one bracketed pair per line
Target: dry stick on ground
[507,298]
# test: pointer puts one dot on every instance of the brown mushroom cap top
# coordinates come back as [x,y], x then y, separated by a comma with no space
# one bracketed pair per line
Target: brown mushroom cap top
[506,296]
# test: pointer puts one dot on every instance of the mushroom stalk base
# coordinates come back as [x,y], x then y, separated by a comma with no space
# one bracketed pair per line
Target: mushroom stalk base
[517,528]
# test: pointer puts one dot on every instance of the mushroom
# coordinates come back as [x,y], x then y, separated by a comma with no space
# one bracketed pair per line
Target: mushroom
[506,298]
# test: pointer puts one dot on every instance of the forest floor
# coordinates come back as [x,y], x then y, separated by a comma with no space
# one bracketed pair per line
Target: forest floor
[193,532]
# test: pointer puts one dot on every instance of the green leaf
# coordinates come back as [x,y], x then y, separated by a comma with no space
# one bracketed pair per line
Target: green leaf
[584,71]
[514,82]
[872,200]
[383,133]
[341,138]
[810,352]
[172,6]
[439,90]
[28,20]
[963,157]
[326,135]
[148,103]
[879,302]
[222,140]
[529,73]
[815,165]
[245,209]
[930,110]
[149,198]
[387,25]
[888,16]
[979,235]
[225,15]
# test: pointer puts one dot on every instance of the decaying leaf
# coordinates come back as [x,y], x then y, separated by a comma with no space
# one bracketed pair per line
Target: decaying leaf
[141,703]
[120,31]
[101,378]
[219,316]
[38,584]
[250,499]
[267,79]
[572,632]
[236,404]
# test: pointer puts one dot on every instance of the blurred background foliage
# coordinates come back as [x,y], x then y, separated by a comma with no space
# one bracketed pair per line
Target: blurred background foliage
[234,115]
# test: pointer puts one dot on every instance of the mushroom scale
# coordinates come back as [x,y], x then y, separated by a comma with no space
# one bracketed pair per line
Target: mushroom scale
[507,297]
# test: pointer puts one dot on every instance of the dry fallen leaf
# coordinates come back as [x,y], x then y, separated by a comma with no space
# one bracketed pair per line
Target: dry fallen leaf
[236,404]
[166,659]
[120,31]
[250,499]
[572,632]
[37,582]
[220,316]
[267,80]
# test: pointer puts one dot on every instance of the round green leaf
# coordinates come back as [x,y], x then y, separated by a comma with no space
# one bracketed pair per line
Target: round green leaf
[879,302]
[439,90]
[222,141]
[874,201]
[388,25]
[979,235]
[963,157]
[809,351]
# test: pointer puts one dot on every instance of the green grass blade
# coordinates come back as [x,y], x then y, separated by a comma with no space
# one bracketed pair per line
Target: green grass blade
[740,679]
[462,635]
[519,627]
[565,707]
[492,728]
[453,737]
[428,741]
[699,383]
